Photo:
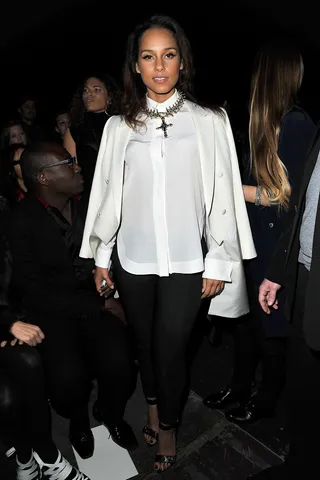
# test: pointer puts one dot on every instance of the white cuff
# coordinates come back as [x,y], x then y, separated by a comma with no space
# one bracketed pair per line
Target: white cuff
[103,256]
[218,269]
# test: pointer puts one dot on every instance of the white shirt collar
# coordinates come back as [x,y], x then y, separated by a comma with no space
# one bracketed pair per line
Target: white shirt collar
[161,107]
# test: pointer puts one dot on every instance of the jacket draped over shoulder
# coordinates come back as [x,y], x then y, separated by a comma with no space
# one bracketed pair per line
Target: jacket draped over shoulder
[228,235]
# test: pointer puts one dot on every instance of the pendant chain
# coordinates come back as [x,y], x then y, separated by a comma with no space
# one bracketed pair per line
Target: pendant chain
[170,112]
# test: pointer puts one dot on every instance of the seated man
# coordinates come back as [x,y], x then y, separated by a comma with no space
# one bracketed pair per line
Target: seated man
[24,409]
[82,340]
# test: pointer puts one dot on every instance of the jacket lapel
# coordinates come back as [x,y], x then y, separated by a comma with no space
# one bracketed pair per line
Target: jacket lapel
[206,141]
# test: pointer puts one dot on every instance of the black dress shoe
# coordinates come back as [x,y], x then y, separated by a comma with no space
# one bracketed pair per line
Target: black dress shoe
[121,433]
[222,399]
[82,442]
[249,413]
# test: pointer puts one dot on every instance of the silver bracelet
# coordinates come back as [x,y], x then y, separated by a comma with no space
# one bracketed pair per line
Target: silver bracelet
[258,196]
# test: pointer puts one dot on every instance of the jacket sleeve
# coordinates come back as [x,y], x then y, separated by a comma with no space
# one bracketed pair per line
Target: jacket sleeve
[277,266]
[296,136]
[219,261]
[90,241]
[7,319]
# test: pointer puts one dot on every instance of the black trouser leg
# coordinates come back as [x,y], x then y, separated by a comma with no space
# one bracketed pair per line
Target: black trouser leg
[178,302]
[138,296]
[112,364]
[162,312]
[303,394]
[246,356]
[66,368]
[23,403]
[273,362]
[80,350]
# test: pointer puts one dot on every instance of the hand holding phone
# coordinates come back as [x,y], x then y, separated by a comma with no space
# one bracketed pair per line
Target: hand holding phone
[106,291]
[102,278]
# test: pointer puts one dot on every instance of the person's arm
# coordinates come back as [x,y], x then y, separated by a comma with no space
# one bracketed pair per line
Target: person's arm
[218,268]
[69,144]
[250,195]
[103,264]
[275,275]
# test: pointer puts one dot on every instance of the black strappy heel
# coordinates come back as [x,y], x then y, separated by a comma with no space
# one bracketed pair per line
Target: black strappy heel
[149,431]
[169,460]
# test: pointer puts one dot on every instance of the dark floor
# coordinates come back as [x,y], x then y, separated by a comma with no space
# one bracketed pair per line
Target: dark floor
[210,448]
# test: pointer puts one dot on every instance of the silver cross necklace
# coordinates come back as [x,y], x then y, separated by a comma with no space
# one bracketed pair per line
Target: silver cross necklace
[170,112]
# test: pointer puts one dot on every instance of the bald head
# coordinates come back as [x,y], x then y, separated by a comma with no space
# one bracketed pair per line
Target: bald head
[37,156]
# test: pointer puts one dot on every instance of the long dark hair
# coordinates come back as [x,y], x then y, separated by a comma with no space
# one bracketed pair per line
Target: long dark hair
[8,177]
[77,109]
[134,90]
[275,83]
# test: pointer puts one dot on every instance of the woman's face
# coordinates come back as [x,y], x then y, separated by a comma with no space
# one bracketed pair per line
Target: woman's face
[159,63]
[95,96]
[17,135]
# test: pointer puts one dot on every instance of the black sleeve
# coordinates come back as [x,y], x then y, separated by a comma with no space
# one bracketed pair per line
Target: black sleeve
[277,265]
[296,136]
[7,315]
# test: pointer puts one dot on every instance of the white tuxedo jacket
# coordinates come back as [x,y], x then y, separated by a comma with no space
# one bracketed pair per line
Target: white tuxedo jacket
[228,233]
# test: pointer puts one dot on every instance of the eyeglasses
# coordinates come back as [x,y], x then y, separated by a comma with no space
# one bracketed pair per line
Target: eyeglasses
[70,161]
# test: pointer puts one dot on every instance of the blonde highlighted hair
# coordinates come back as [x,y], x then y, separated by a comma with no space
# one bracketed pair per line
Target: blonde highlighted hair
[275,83]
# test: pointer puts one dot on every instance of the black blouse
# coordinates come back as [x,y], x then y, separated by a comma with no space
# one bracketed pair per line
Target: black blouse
[87,136]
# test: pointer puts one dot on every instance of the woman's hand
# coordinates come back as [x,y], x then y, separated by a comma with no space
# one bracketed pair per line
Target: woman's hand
[25,333]
[102,275]
[211,288]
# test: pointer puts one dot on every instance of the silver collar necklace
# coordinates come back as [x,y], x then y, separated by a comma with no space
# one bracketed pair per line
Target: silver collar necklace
[170,112]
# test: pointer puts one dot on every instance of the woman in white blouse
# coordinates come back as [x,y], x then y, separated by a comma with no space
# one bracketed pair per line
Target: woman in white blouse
[167,183]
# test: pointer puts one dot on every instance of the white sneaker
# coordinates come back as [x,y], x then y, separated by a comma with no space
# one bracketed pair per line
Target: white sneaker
[60,470]
[28,471]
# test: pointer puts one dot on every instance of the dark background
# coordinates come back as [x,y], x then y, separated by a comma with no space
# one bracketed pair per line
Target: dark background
[46,47]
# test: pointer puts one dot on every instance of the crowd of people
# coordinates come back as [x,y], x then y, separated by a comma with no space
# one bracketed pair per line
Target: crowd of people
[120,224]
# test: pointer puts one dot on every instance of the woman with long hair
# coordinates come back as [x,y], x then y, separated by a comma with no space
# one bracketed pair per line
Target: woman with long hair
[167,209]
[13,141]
[96,99]
[280,133]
